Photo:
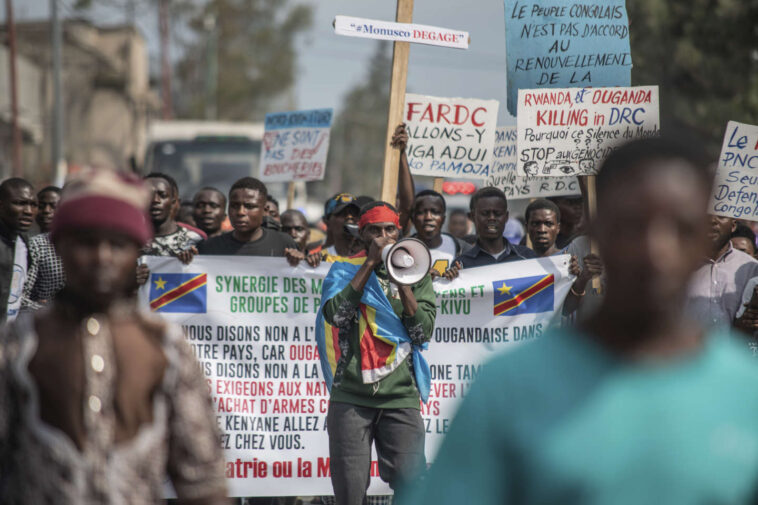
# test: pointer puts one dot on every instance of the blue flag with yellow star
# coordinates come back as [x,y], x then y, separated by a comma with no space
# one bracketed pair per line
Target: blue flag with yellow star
[525,295]
[178,293]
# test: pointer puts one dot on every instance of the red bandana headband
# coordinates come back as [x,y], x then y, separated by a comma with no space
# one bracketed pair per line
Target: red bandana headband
[379,214]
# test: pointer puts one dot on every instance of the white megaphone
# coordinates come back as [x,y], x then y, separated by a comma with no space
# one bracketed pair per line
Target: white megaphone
[407,261]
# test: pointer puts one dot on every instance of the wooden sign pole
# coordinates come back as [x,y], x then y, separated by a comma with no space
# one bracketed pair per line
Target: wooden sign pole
[404,14]
[438,184]
[290,194]
[592,209]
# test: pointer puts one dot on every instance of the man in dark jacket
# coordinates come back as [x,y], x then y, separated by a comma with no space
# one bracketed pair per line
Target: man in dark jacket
[18,205]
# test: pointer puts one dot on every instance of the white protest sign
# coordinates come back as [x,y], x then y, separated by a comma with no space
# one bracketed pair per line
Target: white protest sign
[570,131]
[253,334]
[735,189]
[402,32]
[295,145]
[450,137]
[503,173]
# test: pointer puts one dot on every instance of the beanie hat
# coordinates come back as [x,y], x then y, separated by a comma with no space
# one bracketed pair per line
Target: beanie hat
[106,199]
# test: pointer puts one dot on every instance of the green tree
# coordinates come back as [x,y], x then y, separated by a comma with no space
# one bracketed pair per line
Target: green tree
[255,51]
[356,144]
[704,55]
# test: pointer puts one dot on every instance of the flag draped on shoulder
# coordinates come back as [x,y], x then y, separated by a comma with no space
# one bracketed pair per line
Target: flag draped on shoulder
[384,341]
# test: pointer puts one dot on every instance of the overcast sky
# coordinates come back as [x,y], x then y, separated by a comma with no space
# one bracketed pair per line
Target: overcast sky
[329,65]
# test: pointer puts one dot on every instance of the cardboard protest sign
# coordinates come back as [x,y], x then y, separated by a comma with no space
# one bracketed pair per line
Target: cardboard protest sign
[566,43]
[503,173]
[450,137]
[251,323]
[295,145]
[735,189]
[570,131]
[402,32]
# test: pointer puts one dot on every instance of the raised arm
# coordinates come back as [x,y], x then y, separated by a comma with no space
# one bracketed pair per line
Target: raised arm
[406,190]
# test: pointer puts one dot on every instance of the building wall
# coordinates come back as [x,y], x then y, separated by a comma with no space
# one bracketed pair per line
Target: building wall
[106,95]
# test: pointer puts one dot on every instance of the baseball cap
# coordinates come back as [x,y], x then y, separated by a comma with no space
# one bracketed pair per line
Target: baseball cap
[339,202]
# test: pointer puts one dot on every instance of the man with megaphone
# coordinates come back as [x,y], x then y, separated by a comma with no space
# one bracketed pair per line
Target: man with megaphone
[375,318]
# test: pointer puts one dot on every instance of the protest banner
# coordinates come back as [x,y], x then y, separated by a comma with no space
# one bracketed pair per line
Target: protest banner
[503,173]
[570,131]
[295,145]
[564,44]
[402,32]
[450,137]
[735,189]
[253,334]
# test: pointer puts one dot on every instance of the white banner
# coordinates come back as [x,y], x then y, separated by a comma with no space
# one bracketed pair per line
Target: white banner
[503,173]
[253,333]
[734,190]
[570,131]
[402,32]
[295,145]
[450,137]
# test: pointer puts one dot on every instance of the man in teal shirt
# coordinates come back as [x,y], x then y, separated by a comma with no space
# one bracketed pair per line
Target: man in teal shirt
[638,405]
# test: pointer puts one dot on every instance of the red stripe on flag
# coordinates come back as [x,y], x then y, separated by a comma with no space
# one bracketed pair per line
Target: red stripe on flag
[524,295]
[178,292]
[336,343]
[374,352]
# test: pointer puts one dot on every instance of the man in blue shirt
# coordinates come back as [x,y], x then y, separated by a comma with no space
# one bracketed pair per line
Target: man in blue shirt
[638,404]
[489,212]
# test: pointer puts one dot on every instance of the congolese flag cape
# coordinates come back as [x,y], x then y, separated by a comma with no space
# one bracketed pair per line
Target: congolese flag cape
[384,340]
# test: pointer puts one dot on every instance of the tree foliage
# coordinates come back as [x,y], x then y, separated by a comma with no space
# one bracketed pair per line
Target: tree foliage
[256,56]
[704,56]
[356,145]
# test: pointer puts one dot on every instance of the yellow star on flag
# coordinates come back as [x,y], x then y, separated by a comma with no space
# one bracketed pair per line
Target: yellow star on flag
[504,289]
[160,283]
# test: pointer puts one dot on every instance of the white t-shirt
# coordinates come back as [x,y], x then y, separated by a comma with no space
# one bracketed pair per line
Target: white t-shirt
[17,280]
[443,256]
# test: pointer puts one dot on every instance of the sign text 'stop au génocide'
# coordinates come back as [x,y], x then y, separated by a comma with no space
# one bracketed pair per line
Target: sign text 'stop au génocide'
[295,145]
[570,131]
[566,43]
[401,32]
[734,190]
[503,173]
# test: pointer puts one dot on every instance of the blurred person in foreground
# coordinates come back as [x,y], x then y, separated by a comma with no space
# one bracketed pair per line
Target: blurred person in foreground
[45,277]
[100,402]
[18,205]
[636,405]
[371,358]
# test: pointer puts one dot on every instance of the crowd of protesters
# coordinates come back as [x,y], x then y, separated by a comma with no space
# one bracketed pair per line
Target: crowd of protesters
[94,369]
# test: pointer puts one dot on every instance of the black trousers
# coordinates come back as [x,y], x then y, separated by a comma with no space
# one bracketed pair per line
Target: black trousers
[399,438]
